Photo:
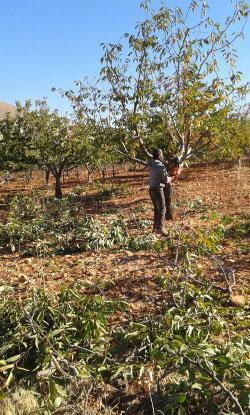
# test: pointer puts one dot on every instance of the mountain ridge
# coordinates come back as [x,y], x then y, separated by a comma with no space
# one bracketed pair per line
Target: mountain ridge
[6,108]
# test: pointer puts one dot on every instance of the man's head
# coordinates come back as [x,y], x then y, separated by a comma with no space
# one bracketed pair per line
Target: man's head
[157,154]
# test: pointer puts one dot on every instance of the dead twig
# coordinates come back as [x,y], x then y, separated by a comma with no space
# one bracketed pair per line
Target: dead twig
[226,272]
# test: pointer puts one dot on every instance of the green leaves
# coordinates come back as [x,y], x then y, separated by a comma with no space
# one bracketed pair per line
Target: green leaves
[164,85]
[183,353]
[42,226]
[69,327]
[56,393]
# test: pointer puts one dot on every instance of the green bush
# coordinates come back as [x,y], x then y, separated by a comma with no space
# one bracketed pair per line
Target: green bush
[138,243]
[109,191]
[70,329]
[77,190]
[239,229]
[198,358]
[44,226]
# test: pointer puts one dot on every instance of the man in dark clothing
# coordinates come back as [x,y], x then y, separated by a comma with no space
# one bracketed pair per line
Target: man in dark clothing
[158,178]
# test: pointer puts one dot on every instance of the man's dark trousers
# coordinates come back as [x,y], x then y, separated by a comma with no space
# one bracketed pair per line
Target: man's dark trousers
[158,198]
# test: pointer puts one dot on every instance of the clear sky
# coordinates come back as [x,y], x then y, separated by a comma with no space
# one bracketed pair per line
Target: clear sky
[46,43]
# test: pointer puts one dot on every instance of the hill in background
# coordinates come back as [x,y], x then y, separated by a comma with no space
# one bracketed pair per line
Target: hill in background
[5,108]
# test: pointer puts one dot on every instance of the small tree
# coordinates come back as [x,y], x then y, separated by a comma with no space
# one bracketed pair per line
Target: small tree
[15,150]
[57,143]
[233,142]
[90,104]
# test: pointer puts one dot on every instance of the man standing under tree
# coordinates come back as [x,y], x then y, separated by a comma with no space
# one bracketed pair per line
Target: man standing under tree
[158,179]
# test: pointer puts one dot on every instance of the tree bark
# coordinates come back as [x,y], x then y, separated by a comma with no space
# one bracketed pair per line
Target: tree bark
[113,170]
[58,186]
[104,173]
[89,171]
[47,174]
[28,176]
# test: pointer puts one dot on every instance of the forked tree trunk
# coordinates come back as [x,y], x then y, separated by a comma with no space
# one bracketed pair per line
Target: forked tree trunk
[89,172]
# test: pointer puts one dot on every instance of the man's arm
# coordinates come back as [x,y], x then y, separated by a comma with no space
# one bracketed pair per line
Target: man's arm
[165,178]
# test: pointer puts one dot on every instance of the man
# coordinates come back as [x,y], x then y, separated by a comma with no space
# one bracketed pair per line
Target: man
[158,178]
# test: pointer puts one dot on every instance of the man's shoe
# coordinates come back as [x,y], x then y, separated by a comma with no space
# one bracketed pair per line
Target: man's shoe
[162,232]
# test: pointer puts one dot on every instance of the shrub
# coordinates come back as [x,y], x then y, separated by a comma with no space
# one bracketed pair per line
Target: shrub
[52,333]
[239,229]
[43,226]
[109,191]
[77,190]
[191,355]
[197,358]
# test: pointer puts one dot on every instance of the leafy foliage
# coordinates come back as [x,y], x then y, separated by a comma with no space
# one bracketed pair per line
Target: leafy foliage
[109,191]
[199,364]
[198,358]
[45,226]
[191,355]
[160,86]
[239,229]
[43,138]
[48,338]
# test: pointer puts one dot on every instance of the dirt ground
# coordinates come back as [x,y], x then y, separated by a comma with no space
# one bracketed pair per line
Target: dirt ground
[125,274]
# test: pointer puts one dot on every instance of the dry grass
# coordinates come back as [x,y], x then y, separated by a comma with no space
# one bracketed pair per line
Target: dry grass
[82,398]
[20,402]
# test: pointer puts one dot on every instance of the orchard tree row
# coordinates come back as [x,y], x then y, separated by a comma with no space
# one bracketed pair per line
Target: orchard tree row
[172,83]
[43,138]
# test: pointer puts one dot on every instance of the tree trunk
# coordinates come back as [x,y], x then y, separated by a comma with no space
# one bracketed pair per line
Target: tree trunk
[58,187]
[89,177]
[28,176]
[113,170]
[47,174]
[104,173]
[239,164]
[89,172]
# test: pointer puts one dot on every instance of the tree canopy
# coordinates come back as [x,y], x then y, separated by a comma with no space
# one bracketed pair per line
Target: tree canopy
[173,82]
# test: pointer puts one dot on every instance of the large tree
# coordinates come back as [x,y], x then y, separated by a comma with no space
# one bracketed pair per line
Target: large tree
[173,81]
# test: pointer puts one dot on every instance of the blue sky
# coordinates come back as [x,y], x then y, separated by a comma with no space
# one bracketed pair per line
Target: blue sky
[46,43]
